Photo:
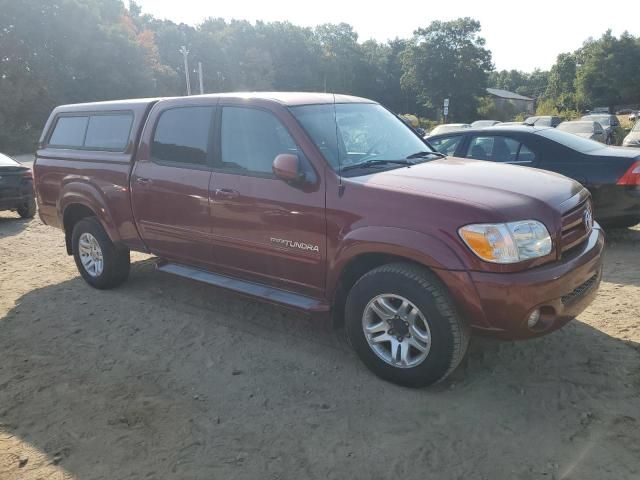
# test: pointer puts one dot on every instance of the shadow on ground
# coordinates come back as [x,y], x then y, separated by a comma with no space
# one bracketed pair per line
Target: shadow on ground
[165,378]
[11,224]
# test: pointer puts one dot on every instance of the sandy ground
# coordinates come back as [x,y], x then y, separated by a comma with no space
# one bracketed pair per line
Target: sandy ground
[163,378]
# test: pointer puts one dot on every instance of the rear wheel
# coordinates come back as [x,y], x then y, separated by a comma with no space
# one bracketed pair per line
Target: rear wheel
[403,325]
[28,209]
[101,263]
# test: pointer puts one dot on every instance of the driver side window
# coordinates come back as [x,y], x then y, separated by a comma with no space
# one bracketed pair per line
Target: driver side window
[251,139]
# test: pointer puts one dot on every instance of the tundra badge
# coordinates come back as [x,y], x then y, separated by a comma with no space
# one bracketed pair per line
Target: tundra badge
[292,244]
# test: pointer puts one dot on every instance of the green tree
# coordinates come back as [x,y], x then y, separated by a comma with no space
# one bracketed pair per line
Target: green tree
[561,87]
[448,60]
[609,70]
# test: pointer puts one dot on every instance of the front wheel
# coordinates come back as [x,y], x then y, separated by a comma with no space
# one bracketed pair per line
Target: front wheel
[101,263]
[402,323]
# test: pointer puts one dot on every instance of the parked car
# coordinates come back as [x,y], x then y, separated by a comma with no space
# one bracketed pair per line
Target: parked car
[633,138]
[544,121]
[585,129]
[611,174]
[322,203]
[611,125]
[448,127]
[509,124]
[484,123]
[16,187]
[600,110]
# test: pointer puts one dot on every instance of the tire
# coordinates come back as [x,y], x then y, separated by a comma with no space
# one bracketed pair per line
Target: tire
[28,209]
[115,261]
[394,284]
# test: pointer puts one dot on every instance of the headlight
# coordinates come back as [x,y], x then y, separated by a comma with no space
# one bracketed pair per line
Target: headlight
[507,242]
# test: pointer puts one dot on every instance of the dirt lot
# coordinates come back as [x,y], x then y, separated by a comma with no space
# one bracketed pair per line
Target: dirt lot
[168,379]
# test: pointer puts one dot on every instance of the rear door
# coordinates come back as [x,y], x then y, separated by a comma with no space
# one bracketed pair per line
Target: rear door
[170,181]
[265,229]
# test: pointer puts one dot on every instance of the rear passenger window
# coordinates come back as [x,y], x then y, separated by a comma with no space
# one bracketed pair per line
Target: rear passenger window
[499,149]
[182,135]
[251,140]
[108,132]
[69,132]
[525,155]
[447,146]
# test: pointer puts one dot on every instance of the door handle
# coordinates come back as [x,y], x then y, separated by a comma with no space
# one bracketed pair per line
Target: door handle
[143,181]
[226,193]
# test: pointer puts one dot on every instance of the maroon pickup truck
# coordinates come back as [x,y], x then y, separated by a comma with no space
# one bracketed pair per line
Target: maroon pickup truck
[322,203]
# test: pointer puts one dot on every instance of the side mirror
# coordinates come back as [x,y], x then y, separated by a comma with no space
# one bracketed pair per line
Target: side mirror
[286,166]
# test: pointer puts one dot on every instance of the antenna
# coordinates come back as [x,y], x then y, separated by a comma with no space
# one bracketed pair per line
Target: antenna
[335,122]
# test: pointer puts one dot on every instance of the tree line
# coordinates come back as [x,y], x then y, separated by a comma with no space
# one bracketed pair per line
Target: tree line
[65,51]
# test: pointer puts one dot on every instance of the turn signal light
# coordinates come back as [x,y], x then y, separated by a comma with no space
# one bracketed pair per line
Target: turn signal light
[631,176]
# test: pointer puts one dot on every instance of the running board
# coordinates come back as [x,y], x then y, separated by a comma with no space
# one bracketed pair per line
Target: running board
[255,290]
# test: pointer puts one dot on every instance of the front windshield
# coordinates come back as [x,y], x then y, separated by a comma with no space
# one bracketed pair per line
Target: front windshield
[358,132]
[7,161]
[576,127]
[604,120]
[570,140]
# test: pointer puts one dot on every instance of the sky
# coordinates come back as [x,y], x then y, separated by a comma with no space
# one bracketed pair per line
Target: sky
[521,35]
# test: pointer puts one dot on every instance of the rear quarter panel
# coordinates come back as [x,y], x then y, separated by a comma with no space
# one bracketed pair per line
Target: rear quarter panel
[96,179]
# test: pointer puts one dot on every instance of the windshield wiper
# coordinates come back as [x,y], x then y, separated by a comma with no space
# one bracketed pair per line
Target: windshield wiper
[426,154]
[373,163]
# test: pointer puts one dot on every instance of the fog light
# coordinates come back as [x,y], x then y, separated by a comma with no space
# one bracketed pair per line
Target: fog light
[533,318]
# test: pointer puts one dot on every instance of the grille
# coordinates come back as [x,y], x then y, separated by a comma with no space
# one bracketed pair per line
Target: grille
[576,226]
[579,291]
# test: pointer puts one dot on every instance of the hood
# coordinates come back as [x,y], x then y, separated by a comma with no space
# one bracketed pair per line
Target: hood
[508,191]
[633,138]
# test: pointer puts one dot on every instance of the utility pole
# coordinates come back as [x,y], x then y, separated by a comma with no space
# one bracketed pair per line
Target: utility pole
[183,50]
[200,78]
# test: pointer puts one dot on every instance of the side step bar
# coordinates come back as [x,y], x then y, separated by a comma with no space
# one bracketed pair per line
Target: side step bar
[251,289]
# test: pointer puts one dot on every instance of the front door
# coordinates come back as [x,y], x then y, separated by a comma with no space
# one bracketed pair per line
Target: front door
[265,229]
[170,184]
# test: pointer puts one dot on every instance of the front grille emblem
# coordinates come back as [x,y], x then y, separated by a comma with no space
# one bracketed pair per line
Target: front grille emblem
[587,218]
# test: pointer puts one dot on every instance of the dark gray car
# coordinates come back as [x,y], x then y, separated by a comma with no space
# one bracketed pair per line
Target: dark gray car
[611,126]
[16,187]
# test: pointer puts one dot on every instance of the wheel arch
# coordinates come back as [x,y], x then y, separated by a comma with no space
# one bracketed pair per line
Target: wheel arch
[79,200]
[371,247]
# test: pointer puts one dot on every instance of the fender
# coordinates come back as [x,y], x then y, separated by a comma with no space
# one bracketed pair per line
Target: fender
[419,247]
[78,190]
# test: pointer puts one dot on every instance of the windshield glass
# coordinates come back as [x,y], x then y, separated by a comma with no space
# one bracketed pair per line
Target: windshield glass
[6,161]
[604,120]
[570,140]
[360,132]
[576,127]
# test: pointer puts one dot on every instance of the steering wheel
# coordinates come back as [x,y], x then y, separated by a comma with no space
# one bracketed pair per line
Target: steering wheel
[369,154]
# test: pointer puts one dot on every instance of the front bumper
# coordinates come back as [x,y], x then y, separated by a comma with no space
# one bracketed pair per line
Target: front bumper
[499,304]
